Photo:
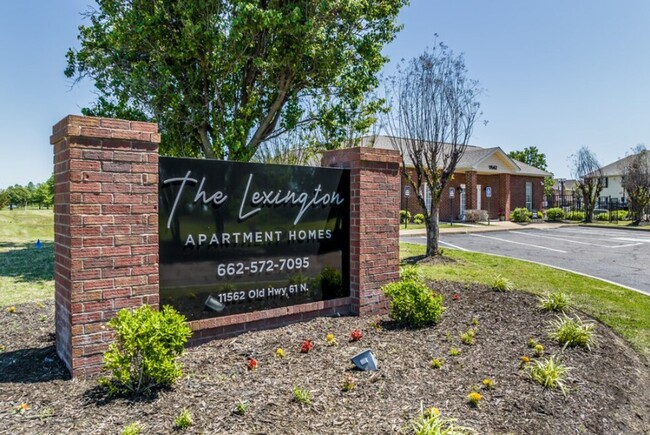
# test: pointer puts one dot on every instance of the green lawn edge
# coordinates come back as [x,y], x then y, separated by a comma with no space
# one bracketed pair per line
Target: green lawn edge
[626,311]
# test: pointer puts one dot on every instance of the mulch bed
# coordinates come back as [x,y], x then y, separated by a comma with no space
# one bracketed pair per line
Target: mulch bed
[608,387]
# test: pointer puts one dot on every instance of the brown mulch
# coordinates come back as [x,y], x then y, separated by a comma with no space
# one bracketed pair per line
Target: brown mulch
[608,387]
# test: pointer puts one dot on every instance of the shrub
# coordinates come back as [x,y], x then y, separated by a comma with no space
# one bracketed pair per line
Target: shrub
[418,218]
[602,216]
[468,337]
[571,332]
[554,214]
[622,215]
[538,351]
[454,351]
[521,215]
[144,354]
[241,407]
[413,303]
[549,373]
[132,429]
[556,301]
[302,396]
[430,422]
[404,216]
[476,216]
[502,284]
[437,363]
[184,420]
[410,273]
[575,215]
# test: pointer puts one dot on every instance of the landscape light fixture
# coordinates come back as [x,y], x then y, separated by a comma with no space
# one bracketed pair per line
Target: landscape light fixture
[365,360]
[214,304]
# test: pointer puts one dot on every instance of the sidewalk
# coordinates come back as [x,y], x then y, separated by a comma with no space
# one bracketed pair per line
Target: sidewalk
[484,227]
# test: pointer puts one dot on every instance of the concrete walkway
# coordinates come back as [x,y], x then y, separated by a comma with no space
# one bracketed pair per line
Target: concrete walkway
[484,227]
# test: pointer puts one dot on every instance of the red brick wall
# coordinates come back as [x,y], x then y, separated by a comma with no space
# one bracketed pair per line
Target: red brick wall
[518,191]
[374,222]
[105,230]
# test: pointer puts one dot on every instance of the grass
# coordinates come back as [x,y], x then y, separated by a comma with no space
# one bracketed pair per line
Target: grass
[26,273]
[625,311]
[556,301]
[413,226]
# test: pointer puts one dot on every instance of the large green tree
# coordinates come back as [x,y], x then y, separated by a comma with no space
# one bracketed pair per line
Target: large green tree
[533,157]
[222,76]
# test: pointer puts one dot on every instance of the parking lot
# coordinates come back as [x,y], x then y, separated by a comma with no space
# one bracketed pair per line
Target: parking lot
[620,256]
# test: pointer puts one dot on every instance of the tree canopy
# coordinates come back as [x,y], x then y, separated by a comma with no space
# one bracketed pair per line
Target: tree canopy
[531,156]
[222,76]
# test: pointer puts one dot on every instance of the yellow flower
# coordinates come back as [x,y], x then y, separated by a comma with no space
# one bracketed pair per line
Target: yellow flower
[432,412]
[11,309]
[488,383]
[474,398]
[331,340]
[525,359]
[279,352]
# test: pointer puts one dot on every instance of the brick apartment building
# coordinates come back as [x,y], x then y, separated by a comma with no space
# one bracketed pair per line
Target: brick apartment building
[512,183]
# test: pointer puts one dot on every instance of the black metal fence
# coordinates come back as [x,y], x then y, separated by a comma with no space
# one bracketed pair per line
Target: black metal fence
[606,209]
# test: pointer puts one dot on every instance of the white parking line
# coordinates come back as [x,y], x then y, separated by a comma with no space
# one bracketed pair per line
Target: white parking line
[629,239]
[518,243]
[523,233]
[453,246]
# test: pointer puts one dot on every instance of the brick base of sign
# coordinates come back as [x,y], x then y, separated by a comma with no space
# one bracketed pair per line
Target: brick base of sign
[106,237]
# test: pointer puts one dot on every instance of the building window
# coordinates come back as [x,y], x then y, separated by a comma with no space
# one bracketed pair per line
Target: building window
[529,196]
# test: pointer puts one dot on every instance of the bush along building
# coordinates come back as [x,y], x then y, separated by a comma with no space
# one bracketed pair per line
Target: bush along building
[485,179]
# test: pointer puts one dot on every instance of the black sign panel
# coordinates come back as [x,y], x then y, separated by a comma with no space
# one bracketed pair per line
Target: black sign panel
[240,237]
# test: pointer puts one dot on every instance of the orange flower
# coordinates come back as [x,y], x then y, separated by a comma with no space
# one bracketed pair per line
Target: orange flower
[356,335]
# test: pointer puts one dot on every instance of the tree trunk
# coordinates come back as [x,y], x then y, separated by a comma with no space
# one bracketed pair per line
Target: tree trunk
[206,145]
[433,231]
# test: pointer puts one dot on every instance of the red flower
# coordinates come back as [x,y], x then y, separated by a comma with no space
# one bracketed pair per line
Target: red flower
[356,335]
[306,346]
[252,363]
[456,296]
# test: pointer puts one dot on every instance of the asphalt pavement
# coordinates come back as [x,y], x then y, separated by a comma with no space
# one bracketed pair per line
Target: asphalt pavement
[619,256]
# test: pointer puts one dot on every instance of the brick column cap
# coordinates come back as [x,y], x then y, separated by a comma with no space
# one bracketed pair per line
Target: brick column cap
[360,154]
[104,128]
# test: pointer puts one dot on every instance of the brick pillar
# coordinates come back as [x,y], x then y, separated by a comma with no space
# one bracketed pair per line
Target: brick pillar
[470,192]
[504,195]
[105,230]
[374,222]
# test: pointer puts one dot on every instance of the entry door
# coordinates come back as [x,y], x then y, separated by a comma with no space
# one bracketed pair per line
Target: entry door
[529,196]
[462,205]
[478,196]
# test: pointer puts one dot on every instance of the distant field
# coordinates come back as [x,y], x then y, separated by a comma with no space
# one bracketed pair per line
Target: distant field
[26,273]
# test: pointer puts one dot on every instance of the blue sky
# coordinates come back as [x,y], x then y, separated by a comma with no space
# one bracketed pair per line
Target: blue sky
[558,74]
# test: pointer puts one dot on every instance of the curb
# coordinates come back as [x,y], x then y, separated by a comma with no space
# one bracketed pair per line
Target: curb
[609,227]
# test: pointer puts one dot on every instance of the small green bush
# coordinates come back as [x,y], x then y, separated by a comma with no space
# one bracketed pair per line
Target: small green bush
[571,332]
[556,301]
[575,215]
[549,373]
[184,420]
[622,215]
[413,303]
[410,273]
[430,422]
[502,284]
[404,216]
[521,215]
[602,216]
[134,428]
[554,214]
[302,396]
[418,218]
[145,352]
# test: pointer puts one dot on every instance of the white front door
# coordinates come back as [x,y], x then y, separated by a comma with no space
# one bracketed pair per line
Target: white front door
[462,205]
[529,196]
[478,196]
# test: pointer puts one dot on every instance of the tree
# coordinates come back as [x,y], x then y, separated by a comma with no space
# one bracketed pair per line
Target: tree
[636,181]
[435,107]
[222,76]
[18,195]
[4,199]
[589,179]
[43,194]
[531,156]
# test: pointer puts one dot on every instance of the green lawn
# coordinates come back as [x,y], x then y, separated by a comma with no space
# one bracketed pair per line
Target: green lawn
[626,311]
[26,273]
[412,226]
